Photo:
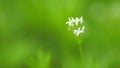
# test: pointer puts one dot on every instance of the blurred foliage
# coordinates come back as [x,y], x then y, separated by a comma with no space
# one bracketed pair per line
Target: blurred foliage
[33,33]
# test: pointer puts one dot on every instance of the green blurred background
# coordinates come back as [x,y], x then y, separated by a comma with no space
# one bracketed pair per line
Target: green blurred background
[33,34]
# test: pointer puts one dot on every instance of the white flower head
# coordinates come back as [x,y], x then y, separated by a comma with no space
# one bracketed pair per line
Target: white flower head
[70,22]
[79,31]
[76,23]
[78,20]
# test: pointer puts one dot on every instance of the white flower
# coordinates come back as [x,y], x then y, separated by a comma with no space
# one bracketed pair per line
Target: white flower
[78,20]
[81,19]
[83,28]
[78,31]
[70,22]
[76,23]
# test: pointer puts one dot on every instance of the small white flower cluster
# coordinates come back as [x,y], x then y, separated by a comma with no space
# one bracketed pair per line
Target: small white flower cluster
[76,22]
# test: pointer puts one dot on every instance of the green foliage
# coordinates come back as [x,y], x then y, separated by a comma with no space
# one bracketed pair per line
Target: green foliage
[33,34]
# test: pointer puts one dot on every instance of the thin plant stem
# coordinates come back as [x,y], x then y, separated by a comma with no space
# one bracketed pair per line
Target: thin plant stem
[81,53]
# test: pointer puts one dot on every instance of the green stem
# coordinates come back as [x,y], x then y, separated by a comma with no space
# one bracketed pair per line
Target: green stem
[81,54]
